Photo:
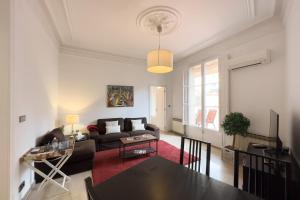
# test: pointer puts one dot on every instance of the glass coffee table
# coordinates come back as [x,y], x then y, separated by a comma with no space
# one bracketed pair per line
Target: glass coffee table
[136,146]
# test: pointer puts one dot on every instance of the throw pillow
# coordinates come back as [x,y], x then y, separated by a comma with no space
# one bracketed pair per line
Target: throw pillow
[112,123]
[92,128]
[137,121]
[113,129]
[137,127]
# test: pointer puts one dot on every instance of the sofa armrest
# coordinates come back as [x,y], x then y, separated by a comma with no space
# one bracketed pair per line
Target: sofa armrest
[94,135]
[155,129]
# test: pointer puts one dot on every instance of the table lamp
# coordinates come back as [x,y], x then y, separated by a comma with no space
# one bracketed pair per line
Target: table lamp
[72,119]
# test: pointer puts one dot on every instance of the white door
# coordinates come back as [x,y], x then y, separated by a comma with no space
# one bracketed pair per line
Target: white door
[158,106]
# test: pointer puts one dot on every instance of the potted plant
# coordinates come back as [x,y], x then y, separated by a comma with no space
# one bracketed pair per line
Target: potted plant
[235,124]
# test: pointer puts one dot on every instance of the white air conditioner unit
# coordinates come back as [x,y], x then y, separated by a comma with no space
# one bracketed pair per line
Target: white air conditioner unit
[252,59]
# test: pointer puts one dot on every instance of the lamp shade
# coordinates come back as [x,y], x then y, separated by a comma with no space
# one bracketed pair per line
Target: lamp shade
[72,119]
[160,61]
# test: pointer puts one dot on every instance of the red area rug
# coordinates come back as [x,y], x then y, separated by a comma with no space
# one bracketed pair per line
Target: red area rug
[108,164]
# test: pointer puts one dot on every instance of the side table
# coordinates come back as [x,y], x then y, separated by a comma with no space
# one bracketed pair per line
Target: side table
[44,154]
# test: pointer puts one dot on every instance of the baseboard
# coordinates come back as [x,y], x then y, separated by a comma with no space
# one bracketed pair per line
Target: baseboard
[177,133]
[28,192]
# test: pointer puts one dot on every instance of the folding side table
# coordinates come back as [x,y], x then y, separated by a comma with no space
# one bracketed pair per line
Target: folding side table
[46,155]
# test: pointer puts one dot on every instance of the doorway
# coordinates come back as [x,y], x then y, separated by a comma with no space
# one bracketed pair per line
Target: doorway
[158,106]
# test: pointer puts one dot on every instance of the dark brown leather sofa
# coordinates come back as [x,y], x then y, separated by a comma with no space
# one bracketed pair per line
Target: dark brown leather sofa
[81,159]
[108,141]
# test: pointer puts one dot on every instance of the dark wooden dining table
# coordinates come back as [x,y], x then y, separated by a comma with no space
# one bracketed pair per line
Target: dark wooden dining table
[161,179]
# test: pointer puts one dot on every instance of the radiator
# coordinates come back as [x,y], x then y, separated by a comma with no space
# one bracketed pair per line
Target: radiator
[177,126]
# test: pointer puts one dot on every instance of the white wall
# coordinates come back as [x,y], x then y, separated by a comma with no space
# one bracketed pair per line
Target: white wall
[293,71]
[4,97]
[34,86]
[83,81]
[265,84]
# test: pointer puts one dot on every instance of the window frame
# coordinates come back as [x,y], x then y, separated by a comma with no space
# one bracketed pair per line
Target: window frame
[186,94]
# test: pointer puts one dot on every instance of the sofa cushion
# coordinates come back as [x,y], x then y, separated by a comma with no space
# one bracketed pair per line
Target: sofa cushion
[84,150]
[58,133]
[112,137]
[113,129]
[128,124]
[141,132]
[102,125]
[48,137]
[45,139]
[138,127]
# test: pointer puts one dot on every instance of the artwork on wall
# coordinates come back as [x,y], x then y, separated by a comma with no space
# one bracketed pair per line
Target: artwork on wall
[120,96]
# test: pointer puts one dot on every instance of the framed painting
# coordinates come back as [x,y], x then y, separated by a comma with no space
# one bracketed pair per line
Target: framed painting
[120,96]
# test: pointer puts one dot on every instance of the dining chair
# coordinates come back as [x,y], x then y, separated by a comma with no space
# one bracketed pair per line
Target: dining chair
[89,189]
[265,177]
[194,154]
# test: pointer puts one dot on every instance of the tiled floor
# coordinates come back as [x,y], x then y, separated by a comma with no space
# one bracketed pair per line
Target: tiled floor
[220,170]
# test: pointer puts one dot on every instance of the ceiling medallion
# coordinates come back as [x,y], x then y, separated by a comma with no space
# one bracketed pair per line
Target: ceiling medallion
[166,17]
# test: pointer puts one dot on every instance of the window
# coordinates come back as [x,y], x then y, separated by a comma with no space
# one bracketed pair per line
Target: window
[201,96]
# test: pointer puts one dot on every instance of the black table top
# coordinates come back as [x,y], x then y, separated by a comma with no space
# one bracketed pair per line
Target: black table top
[161,179]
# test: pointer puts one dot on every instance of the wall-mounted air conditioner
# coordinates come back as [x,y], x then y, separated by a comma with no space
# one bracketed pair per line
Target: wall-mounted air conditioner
[251,59]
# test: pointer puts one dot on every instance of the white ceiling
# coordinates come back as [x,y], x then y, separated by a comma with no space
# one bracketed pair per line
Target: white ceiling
[109,26]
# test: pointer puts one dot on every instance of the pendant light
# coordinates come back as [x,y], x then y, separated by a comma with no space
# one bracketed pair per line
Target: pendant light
[160,61]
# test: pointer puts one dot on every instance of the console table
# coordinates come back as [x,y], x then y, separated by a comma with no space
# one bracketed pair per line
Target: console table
[295,172]
[45,154]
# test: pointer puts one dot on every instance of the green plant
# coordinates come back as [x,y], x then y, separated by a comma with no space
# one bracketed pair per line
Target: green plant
[235,124]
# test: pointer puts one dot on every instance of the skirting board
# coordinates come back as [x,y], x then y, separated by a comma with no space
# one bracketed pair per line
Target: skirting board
[180,134]
[28,192]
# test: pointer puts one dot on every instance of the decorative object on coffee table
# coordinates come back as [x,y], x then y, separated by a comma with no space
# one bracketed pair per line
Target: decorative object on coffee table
[235,124]
[120,96]
[139,150]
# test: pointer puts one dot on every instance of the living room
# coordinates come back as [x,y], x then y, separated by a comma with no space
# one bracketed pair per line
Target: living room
[66,58]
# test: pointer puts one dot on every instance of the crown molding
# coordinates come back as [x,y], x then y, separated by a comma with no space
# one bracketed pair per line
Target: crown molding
[219,37]
[62,24]
[251,10]
[67,9]
[45,19]
[285,10]
[59,12]
[81,52]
